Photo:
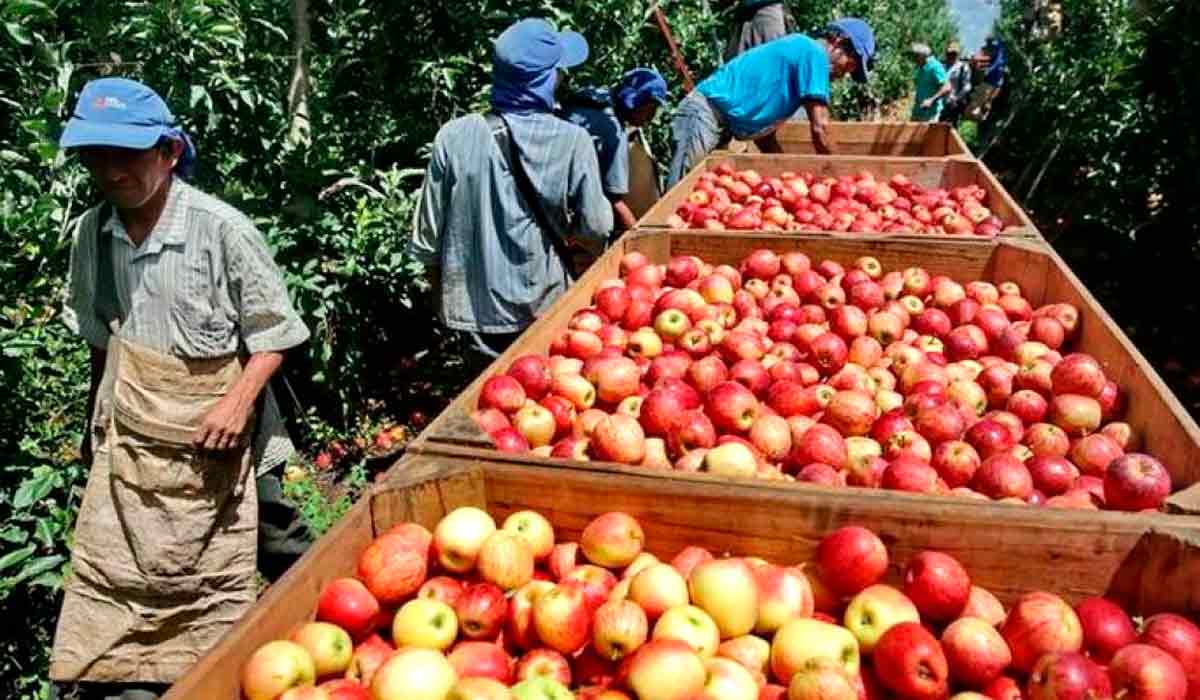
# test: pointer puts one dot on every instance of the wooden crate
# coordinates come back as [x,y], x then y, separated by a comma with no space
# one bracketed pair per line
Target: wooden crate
[927,172]
[917,139]
[1167,430]
[1149,565]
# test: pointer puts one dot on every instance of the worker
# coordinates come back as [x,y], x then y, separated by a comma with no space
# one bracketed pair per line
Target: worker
[930,83]
[508,195]
[187,318]
[608,115]
[958,74]
[755,22]
[749,97]
[989,65]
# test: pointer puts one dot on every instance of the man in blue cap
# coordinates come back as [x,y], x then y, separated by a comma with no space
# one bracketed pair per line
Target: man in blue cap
[609,115]
[508,194]
[749,97]
[187,318]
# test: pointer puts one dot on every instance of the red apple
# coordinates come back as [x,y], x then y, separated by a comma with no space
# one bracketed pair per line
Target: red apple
[909,661]
[1040,623]
[1093,453]
[732,407]
[1046,440]
[544,663]
[956,462]
[1053,476]
[443,588]
[562,618]
[910,474]
[1003,476]
[1078,373]
[481,660]
[394,566]
[975,651]
[1136,481]
[984,605]
[1179,637]
[1068,676]
[820,444]
[1106,628]
[503,393]
[619,438]
[347,603]
[851,558]
[1144,672]
[533,373]
[938,585]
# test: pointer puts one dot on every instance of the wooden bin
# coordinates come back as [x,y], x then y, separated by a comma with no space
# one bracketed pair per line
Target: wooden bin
[927,172]
[1166,428]
[917,139]
[1148,565]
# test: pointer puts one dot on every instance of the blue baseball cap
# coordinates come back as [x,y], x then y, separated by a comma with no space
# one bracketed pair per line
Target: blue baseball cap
[533,46]
[639,86]
[118,112]
[862,38]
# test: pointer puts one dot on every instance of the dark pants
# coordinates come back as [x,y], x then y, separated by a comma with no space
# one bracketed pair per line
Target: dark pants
[282,539]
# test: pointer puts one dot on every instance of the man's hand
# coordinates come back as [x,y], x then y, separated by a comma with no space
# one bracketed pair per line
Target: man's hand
[224,428]
[927,104]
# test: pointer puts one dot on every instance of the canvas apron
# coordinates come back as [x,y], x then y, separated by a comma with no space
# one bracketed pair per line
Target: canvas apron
[164,553]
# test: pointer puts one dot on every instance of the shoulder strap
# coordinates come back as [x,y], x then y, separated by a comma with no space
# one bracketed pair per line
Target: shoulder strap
[508,148]
[108,307]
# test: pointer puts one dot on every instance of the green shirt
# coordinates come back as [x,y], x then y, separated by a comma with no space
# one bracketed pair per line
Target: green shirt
[928,79]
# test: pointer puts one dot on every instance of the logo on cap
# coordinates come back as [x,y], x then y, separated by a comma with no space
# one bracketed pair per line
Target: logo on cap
[108,103]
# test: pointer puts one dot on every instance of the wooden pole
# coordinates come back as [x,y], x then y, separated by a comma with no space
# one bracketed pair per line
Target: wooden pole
[660,19]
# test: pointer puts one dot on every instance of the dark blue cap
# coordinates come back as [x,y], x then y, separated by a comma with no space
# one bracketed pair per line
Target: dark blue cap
[640,85]
[862,38]
[533,46]
[118,112]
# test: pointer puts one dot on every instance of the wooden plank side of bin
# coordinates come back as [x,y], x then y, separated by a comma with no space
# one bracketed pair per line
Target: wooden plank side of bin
[927,172]
[1150,565]
[915,139]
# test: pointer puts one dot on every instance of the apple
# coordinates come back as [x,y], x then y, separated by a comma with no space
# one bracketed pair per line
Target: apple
[481,610]
[1078,373]
[728,680]
[394,566]
[1179,637]
[425,623]
[1040,623]
[799,642]
[1106,628]
[1136,481]
[329,646]
[909,661]
[731,459]
[822,679]
[481,660]
[689,558]
[506,560]
[666,669]
[851,412]
[910,474]
[458,538]
[1123,434]
[783,594]
[1093,453]
[1145,672]
[1046,440]
[345,689]
[541,688]
[368,658]
[875,610]
[1068,676]
[1053,476]
[562,618]
[276,667]
[347,603]
[476,689]
[850,559]
[1004,688]
[732,407]
[414,674]
[534,528]
[658,588]
[975,652]
[727,590]
[1003,476]
[612,540]
[981,603]
[1076,414]
[619,628]
[821,444]
[956,462]
[503,393]
[749,650]
[596,582]
[938,585]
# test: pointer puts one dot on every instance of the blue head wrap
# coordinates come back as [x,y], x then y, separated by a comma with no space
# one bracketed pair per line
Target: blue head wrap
[525,63]
[637,87]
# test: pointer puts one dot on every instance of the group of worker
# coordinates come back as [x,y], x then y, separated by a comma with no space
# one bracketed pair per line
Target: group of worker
[950,89]
[188,317]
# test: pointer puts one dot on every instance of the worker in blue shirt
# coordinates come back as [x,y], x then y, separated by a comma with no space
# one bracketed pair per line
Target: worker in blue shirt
[749,97]
[931,84]
[608,115]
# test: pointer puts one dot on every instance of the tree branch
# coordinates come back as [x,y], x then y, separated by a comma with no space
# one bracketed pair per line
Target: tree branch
[300,130]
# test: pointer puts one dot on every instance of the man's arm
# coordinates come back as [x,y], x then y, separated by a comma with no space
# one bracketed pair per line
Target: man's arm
[225,425]
[944,90]
[98,360]
[623,218]
[768,143]
[818,124]
[593,211]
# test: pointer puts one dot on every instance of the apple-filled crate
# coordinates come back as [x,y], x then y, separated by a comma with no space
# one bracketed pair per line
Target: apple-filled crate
[907,139]
[984,373]
[843,195]
[469,579]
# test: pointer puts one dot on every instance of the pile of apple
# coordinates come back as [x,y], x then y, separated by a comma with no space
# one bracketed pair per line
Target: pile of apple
[473,612]
[833,375]
[724,198]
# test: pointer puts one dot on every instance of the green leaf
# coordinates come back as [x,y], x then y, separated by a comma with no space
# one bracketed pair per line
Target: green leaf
[38,566]
[29,7]
[18,33]
[16,557]
[35,488]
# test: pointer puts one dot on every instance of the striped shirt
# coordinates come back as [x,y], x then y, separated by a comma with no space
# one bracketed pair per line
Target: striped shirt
[499,270]
[202,285]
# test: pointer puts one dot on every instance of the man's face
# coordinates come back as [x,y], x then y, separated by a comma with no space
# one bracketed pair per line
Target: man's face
[128,177]
[842,62]
[644,114]
[951,58]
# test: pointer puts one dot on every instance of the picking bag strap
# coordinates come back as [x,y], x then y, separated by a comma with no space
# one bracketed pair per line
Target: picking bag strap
[106,304]
[508,147]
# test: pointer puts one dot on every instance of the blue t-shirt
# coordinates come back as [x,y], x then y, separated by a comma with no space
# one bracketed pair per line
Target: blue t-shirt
[761,88]
[929,78]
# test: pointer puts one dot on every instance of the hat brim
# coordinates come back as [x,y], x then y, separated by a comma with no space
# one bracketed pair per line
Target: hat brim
[80,133]
[575,49]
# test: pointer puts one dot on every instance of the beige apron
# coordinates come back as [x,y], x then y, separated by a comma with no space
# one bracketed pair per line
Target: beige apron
[164,553]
